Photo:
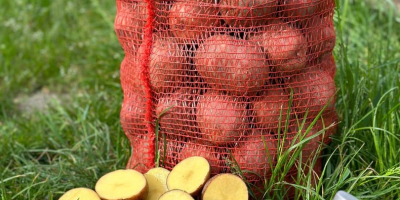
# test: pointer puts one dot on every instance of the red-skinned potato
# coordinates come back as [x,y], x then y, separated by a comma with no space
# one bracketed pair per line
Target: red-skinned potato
[246,13]
[312,90]
[267,109]
[130,81]
[233,65]
[285,46]
[210,153]
[298,9]
[139,159]
[191,20]
[321,35]
[328,64]
[131,19]
[167,64]
[133,113]
[251,155]
[222,119]
[181,113]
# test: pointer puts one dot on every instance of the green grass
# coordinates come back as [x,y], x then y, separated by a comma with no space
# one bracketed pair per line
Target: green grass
[70,49]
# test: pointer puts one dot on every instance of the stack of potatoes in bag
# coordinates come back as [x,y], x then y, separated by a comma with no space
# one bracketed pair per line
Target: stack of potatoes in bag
[223,76]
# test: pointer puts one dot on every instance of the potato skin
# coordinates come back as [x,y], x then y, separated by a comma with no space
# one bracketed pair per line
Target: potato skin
[328,64]
[237,13]
[131,19]
[221,119]
[139,157]
[285,46]
[181,116]
[312,90]
[133,113]
[251,155]
[297,9]
[190,20]
[267,109]
[167,64]
[321,35]
[232,65]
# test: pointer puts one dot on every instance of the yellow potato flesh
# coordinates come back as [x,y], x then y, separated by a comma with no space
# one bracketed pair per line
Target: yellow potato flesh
[225,186]
[176,195]
[121,184]
[189,175]
[81,194]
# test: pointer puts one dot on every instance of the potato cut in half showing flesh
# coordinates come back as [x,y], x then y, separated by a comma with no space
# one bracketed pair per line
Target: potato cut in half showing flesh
[225,186]
[122,184]
[189,175]
[157,181]
[81,194]
[176,195]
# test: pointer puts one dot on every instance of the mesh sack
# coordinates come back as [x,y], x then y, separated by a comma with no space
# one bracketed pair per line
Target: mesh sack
[219,75]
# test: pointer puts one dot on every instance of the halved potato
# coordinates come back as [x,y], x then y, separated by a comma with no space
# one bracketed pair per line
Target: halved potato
[189,175]
[81,194]
[225,186]
[176,195]
[157,181]
[126,184]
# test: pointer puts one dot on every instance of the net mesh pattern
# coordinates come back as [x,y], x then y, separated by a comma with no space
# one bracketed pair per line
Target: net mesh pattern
[223,74]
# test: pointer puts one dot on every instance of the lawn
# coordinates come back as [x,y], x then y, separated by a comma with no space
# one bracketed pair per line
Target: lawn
[68,51]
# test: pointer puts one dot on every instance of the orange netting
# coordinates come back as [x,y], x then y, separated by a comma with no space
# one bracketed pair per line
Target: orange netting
[225,69]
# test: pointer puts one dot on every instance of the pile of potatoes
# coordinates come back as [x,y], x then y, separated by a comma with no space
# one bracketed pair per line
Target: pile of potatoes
[188,180]
[224,73]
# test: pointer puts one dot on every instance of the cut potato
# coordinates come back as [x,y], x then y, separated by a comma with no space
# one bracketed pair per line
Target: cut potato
[189,175]
[225,186]
[81,194]
[122,184]
[157,181]
[161,175]
[176,195]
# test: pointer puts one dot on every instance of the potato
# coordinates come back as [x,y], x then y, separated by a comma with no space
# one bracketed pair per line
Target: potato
[172,150]
[122,184]
[157,181]
[321,35]
[131,19]
[189,175]
[80,193]
[181,116]
[267,109]
[328,64]
[252,155]
[176,195]
[221,119]
[233,65]
[285,46]
[129,77]
[225,186]
[133,113]
[311,146]
[140,155]
[191,20]
[210,153]
[326,121]
[312,91]
[297,9]
[247,13]
[167,64]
